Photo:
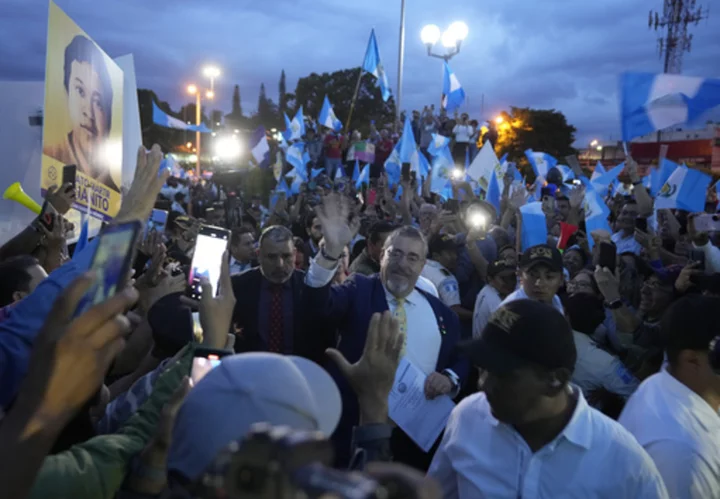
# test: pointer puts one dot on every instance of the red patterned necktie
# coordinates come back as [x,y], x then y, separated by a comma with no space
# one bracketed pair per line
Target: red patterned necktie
[275,332]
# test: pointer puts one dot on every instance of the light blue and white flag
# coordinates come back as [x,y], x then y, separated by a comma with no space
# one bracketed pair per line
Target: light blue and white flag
[686,189]
[327,117]
[596,213]
[647,181]
[533,228]
[406,146]
[440,182]
[297,173]
[651,102]
[541,162]
[356,171]
[493,193]
[314,172]
[602,182]
[453,94]
[339,173]
[566,172]
[260,148]
[364,177]
[161,118]
[295,129]
[84,237]
[374,66]
[437,144]
[297,156]
[423,167]
[283,187]
[662,175]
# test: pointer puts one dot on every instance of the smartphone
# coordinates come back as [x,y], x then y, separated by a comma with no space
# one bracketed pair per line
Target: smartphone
[608,256]
[112,262]
[452,205]
[405,172]
[69,175]
[698,256]
[204,361]
[641,224]
[707,222]
[157,221]
[210,246]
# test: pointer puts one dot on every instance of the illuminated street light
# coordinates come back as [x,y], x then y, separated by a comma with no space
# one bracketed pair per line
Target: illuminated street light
[457,173]
[599,148]
[499,120]
[228,148]
[430,34]
[188,145]
[192,89]
[211,71]
[451,39]
[593,143]
[210,94]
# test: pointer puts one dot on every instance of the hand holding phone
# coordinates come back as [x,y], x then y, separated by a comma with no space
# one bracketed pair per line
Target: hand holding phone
[210,247]
[204,361]
[608,256]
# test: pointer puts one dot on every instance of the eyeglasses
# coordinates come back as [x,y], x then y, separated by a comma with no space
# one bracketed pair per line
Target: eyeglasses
[396,254]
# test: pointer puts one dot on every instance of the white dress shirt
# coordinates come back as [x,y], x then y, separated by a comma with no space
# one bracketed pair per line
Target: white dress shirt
[488,301]
[237,267]
[423,335]
[680,431]
[595,368]
[425,285]
[593,457]
[626,244]
[520,294]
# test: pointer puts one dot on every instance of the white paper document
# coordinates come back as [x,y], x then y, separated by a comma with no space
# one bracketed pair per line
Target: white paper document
[421,419]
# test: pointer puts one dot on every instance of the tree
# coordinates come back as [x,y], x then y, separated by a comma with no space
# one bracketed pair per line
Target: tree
[339,87]
[236,104]
[282,94]
[267,114]
[545,130]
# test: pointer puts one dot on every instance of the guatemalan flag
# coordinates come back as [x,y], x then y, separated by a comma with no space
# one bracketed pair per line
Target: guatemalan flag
[453,93]
[327,117]
[260,148]
[297,156]
[651,102]
[294,129]
[686,189]
[541,162]
[596,214]
[374,66]
[437,144]
[533,228]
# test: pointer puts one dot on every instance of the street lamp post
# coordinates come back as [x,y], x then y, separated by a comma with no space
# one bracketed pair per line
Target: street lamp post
[451,39]
[210,72]
[209,94]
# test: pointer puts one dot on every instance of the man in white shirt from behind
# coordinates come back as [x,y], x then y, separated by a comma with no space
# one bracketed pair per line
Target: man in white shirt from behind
[439,270]
[531,434]
[674,413]
[541,276]
[502,280]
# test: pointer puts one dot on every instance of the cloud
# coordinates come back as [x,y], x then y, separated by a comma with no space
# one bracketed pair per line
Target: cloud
[562,54]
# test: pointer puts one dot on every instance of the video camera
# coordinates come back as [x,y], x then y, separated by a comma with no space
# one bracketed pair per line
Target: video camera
[281,463]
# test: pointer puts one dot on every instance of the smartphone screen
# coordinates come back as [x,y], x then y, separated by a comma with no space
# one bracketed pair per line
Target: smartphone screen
[157,221]
[641,224]
[707,223]
[698,256]
[204,361]
[69,175]
[111,263]
[210,246]
[608,256]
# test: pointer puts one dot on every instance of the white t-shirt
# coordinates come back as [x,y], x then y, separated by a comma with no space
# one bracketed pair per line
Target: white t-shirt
[462,133]
[488,301]
[444,281]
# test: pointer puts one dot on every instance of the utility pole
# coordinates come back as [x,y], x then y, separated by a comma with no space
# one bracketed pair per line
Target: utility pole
[675,18]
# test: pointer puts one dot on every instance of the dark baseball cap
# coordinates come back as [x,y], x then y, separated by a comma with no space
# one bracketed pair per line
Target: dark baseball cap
[542,254]
[499,266]
[524,333]
[691,323]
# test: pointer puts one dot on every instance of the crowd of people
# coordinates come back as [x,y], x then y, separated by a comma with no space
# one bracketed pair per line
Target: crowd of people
[574,374]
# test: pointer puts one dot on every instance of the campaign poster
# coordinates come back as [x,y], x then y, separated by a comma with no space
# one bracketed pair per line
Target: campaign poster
[83,117]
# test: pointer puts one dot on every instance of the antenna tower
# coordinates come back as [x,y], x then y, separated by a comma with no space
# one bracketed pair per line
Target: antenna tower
[675,18]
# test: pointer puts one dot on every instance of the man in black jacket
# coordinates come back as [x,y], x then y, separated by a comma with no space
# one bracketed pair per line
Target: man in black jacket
[269,313]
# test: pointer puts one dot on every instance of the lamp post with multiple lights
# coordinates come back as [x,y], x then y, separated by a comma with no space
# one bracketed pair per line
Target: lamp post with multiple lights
[210,72]
[451,39]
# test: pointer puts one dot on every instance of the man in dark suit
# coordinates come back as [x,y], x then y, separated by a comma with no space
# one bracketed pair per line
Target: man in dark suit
[432,329]
[269,314]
